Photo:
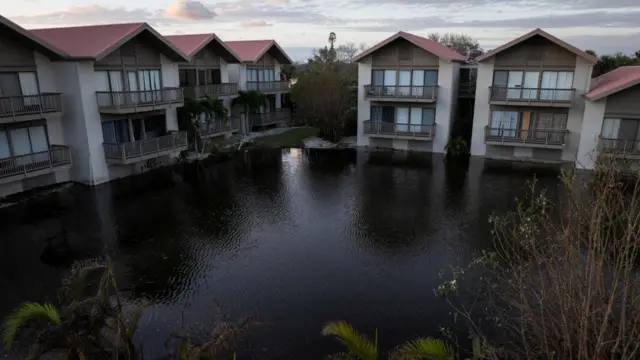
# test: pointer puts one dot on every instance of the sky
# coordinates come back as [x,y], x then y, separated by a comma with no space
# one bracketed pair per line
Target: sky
[299,26]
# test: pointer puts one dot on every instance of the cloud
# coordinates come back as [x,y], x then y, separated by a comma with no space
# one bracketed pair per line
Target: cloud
[88,14]
[246,10]
[255,23]
[189,10]
[566,4]
[277,2]
[607,44]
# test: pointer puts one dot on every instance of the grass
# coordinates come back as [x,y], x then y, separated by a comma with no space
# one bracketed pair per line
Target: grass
[289,139]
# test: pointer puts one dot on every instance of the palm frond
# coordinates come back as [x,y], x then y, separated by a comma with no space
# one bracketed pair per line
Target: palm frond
[249,99]
[74,285]
[426,349]
[357,345]
[27,311]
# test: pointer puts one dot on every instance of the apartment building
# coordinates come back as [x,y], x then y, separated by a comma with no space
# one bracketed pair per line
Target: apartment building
[529,100]
[611,125]
[407,93]
[120,86]
[33,150]
[207,74]
[260,71]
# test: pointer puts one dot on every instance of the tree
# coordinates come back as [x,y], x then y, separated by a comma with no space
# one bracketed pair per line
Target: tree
[462,43]
[345,53]
[323,98]
[359,347]
[607,63]
[248,100]
[202,112]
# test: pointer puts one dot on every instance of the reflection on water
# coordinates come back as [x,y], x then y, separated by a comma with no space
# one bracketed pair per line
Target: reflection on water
[295,237]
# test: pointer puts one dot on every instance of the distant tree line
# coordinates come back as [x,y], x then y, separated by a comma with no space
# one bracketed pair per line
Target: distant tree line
[607,63]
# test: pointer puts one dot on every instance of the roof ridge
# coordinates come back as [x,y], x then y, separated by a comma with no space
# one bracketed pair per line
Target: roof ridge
[83,26]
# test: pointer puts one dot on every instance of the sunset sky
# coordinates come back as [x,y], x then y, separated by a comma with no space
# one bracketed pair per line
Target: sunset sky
[300,25]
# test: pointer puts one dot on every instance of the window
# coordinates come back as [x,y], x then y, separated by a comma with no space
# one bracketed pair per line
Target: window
[24,141]
[504,123]
[528,125]
[22,85]
[517,84]
[116,131]
[561,80]
[409,82]
[382,114]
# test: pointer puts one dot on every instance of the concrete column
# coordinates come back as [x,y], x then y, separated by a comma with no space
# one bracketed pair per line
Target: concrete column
[581,82]
[590,131]
[444,105]
[364,106]
[482,109]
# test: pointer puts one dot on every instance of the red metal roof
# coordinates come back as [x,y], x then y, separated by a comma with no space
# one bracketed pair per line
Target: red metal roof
[252,50]
[429,45]
[97,41]
[613,81]
[42,46]
[193,43]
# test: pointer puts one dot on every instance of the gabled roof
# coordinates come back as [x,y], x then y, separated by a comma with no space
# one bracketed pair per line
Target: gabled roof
[613,82]
[36,43]
[544,34]
[425,44]
[192,44]
[97,41]
[251,51]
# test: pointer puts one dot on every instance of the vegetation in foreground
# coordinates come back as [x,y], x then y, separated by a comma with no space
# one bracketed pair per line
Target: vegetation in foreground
[562,281]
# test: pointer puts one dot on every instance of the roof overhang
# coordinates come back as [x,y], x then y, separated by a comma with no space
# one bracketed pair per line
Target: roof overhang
[612,91]
[274,49]
[35,42]
[219,48]
[539,32]
[165,46]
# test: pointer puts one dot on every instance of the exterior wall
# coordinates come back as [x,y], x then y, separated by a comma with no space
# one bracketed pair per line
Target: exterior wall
[364,105]
[447,73]
[535,52]
[594,112]
[625,103]
[82,128]
[455,90]
[135,53]
[224,71]
[238,74]
[404,53]
[266,61]
[482,110]
[14,54]
[581,82]
[276,66]
[169,71]
[46,77]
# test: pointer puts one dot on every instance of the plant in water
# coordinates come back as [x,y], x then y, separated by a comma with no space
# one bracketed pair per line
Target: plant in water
[457,147]
[360,347]
[247,101]
[201,113]
[561,281]
[90,320]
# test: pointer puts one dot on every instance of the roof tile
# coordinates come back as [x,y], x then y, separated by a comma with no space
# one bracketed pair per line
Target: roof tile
[613,81]
[249,50]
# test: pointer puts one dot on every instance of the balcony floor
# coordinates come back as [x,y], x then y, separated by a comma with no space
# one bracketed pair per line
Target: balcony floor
[515,143]
[400,99]
[401,137]
[7,119]
[34,173]
[531,103]
[139,109]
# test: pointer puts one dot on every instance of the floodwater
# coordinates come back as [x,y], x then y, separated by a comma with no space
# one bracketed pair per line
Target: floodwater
[295,238]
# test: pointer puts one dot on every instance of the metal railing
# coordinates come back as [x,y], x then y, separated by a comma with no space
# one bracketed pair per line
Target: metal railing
[274,117]
[531,95]
[136,99]
[619,146]
[268,86]
[196,91]
[57,155]
[215,127]
[136,149]
[401,92]
[30,104]
[552,137]
[394,129]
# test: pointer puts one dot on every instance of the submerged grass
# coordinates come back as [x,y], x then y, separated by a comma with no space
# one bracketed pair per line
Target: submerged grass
[289,139]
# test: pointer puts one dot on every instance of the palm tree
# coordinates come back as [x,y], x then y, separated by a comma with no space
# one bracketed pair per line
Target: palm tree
[248,100]
[359,347]
[210,108]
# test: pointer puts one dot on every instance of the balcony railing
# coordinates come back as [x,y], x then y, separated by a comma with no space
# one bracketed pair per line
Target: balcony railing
[535,137]
[424,93]
[13,106]
[143,99]
[619,147]
[196,91]
[268,86]
[532,96]
[145,149]
[393,129]
[276,117]
[217,127]
[22,165]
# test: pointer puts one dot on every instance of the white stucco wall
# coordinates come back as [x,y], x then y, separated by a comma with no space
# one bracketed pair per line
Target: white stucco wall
[172,119]
[581,82]
[55,130]
[481,107]
[446,76]
[238,74]
[45,73]
[591,128]
[224,71]
[169,70]
[364,106]
[455,89]
[82,128]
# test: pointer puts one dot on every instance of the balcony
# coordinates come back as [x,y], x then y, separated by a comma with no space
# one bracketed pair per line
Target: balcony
[30,165]
[423,94]
[29,107]
[619,148]
[213,90]
[399,131]
[518,96]
[268,86]
[279,116]
[128,102]
[218,128]
[142,150]
[537,138]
